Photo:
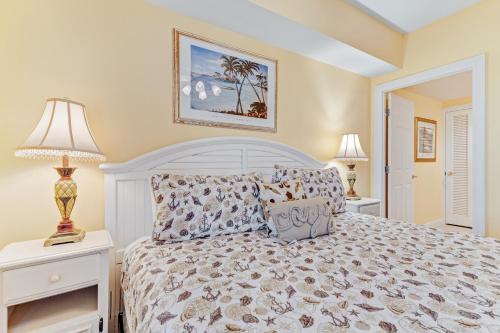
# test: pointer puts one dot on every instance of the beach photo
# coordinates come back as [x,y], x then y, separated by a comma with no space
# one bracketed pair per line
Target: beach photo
[227,84]
[220,86]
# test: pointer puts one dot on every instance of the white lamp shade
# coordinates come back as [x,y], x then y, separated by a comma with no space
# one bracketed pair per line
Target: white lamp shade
[350,149]
[62,130]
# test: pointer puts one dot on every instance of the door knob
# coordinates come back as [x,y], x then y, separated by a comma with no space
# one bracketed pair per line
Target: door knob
[449,173]
[414,176]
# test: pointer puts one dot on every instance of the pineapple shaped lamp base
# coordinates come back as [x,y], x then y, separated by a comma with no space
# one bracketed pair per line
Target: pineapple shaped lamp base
[65,193]
[351,179]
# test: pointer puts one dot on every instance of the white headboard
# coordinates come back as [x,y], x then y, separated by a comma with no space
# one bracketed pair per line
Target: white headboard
[128,201]
[128,212]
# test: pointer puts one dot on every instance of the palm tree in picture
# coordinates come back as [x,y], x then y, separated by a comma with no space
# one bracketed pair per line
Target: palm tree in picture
[231,67]
[262,79]
[246,69]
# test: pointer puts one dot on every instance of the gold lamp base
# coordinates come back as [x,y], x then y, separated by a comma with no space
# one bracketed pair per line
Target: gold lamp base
[65,193]
[351,179]
[75,236]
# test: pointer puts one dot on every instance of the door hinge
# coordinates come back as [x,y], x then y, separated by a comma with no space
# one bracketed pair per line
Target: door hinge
[387,169]
[387,112]
[110,309]
[121,323]
[101,324]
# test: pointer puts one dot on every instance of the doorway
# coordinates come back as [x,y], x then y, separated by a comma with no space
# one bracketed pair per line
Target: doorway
[382,187]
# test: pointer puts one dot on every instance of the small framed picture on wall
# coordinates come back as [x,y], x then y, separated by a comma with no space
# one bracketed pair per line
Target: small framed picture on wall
[425,140]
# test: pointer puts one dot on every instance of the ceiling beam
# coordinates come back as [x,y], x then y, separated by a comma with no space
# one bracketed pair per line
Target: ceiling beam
[249,19]
[344,22]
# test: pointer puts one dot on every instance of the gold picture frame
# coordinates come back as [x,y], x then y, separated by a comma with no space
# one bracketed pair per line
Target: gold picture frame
[260,118]
[425,138]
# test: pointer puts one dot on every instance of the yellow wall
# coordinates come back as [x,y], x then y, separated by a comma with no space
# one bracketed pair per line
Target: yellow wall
[456,102]
[344,22]
[469,33]
[428,186]
[115,56]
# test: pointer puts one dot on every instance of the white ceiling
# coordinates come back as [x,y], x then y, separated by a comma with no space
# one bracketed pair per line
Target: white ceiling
[244,17]
[410,15]
[447,88]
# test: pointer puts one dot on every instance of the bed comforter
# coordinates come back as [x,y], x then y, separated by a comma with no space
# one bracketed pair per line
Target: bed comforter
[371,274]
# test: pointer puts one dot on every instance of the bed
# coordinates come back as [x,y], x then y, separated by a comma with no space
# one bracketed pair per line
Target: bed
[372,274]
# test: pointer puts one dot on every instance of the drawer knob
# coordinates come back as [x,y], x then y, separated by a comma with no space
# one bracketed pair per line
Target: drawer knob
[55,278]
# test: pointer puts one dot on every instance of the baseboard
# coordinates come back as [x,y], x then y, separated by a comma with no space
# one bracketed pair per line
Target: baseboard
[435,223]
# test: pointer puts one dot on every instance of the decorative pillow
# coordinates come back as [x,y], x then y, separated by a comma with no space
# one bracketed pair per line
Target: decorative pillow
[188,207]
[287,190]
[317,182]
[301,219]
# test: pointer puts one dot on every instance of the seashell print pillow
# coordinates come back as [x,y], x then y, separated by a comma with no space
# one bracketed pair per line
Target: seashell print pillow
[302,219]
[288,190]
[188,207]
[317,182]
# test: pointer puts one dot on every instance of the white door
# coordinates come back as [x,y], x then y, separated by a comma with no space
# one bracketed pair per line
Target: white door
[400,158]
[457,168]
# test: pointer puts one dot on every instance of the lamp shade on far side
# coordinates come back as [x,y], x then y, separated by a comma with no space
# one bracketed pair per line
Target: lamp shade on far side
[350,149]
[63,130]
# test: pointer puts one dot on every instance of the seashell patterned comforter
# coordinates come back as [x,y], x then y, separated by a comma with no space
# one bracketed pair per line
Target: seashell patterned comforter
[371,275]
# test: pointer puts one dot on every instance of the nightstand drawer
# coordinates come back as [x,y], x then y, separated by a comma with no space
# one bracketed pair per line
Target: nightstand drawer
[370,210]
[44,279]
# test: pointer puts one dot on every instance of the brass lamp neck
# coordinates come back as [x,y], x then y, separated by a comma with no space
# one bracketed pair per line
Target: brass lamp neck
[65,161]
[65,171]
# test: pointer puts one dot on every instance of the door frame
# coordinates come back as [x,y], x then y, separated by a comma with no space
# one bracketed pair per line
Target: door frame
[477,65]
[444,146]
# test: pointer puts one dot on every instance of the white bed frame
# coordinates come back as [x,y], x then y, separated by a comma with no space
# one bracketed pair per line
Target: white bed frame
[128,214]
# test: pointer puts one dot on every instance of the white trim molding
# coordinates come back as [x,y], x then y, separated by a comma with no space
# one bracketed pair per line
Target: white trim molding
[458,108]
[475,64]
[435,223]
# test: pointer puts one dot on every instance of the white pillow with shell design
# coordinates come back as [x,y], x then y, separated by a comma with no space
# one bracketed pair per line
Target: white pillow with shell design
[188,207]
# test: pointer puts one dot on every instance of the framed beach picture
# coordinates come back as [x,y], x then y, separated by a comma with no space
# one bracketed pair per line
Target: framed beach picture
[425,140]
[218,85]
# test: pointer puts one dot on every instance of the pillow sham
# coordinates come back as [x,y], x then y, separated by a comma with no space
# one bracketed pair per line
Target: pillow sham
[317,182]
[288,190]
[188,207]
[301,219]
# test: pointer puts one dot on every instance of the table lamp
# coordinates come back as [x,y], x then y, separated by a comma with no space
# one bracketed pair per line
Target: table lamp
[350,151]
[63,132]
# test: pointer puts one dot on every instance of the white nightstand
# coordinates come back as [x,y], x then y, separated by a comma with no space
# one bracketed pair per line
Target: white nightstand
[367,206]
[62,288]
